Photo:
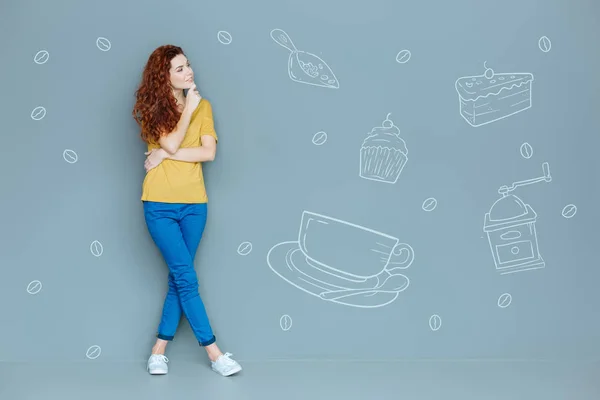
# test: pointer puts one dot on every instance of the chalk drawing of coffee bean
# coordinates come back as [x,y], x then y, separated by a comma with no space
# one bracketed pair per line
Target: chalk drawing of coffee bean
[285,322]
[70,156]
[435,322]
[224,37]
[429,204]
[38,113]
[103,43]
[569,211]
[41,57]
[544,44]
[403,56]
[504,300]
[93,352]
[34,287]
[526,150]
[319,138]
[96,248]
[244,248]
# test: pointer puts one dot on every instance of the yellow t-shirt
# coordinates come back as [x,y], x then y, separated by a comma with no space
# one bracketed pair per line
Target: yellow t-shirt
[175,181]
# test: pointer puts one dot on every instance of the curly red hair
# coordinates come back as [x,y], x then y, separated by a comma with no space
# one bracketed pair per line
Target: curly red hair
[155,109]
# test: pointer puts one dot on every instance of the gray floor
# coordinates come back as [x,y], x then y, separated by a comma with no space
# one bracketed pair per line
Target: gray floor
[422,380]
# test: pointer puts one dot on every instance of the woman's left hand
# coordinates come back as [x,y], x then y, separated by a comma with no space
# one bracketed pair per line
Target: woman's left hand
[155,157]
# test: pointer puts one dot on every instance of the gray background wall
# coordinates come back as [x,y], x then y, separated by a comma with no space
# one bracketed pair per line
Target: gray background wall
[268,171]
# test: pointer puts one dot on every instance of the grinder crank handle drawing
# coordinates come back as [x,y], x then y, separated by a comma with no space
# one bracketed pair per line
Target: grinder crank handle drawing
[547,177]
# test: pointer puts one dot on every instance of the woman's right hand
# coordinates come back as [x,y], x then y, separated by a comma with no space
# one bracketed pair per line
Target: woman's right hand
[193,98]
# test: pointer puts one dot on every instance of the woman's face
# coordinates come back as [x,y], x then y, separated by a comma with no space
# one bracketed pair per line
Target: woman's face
[182,75]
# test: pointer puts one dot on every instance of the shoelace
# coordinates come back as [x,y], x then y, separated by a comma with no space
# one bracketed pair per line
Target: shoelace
[158,357]
[228,360]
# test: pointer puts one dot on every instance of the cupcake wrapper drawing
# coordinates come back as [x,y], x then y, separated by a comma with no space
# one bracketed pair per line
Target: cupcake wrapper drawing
[304,67]
[491,97]
[381,164]
[383,154]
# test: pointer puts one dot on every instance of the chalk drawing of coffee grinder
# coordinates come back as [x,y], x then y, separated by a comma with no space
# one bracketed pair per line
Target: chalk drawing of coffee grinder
[510,228]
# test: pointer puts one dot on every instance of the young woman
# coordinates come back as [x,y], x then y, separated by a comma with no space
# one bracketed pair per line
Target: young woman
[180,134]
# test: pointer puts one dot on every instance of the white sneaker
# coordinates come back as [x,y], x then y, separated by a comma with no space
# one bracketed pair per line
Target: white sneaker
[225,365]
[157,364]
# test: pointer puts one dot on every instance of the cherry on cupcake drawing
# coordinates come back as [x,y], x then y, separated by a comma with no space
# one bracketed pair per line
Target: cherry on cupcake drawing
[387,123]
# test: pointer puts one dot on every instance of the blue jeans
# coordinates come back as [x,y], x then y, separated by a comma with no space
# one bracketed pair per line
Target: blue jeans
[177,228]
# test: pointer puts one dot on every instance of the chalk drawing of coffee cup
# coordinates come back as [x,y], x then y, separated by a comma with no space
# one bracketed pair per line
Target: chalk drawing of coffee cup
[342,262]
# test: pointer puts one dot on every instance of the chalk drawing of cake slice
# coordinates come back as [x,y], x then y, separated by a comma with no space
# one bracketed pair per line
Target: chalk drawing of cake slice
[305,67]
[491,97]
[383,153]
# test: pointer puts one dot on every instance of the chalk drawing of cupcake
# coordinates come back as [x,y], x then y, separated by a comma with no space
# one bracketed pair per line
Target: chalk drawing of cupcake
[383,153]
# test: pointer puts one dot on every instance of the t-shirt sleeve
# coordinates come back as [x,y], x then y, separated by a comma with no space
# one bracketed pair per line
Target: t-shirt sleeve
[207,126]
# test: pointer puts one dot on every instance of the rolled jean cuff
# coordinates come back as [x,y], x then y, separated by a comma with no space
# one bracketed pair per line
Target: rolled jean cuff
[208,342]
[164,337]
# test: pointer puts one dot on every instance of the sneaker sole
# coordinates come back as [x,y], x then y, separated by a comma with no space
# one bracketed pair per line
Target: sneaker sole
[233,371]
[158,372]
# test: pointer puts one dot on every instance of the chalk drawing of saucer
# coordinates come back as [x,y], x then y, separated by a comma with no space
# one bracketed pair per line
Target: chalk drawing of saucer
[289,263]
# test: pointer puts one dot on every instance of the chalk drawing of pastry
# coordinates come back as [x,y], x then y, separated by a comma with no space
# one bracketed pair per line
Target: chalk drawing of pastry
[491,97]
[305,67]
[383,153]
